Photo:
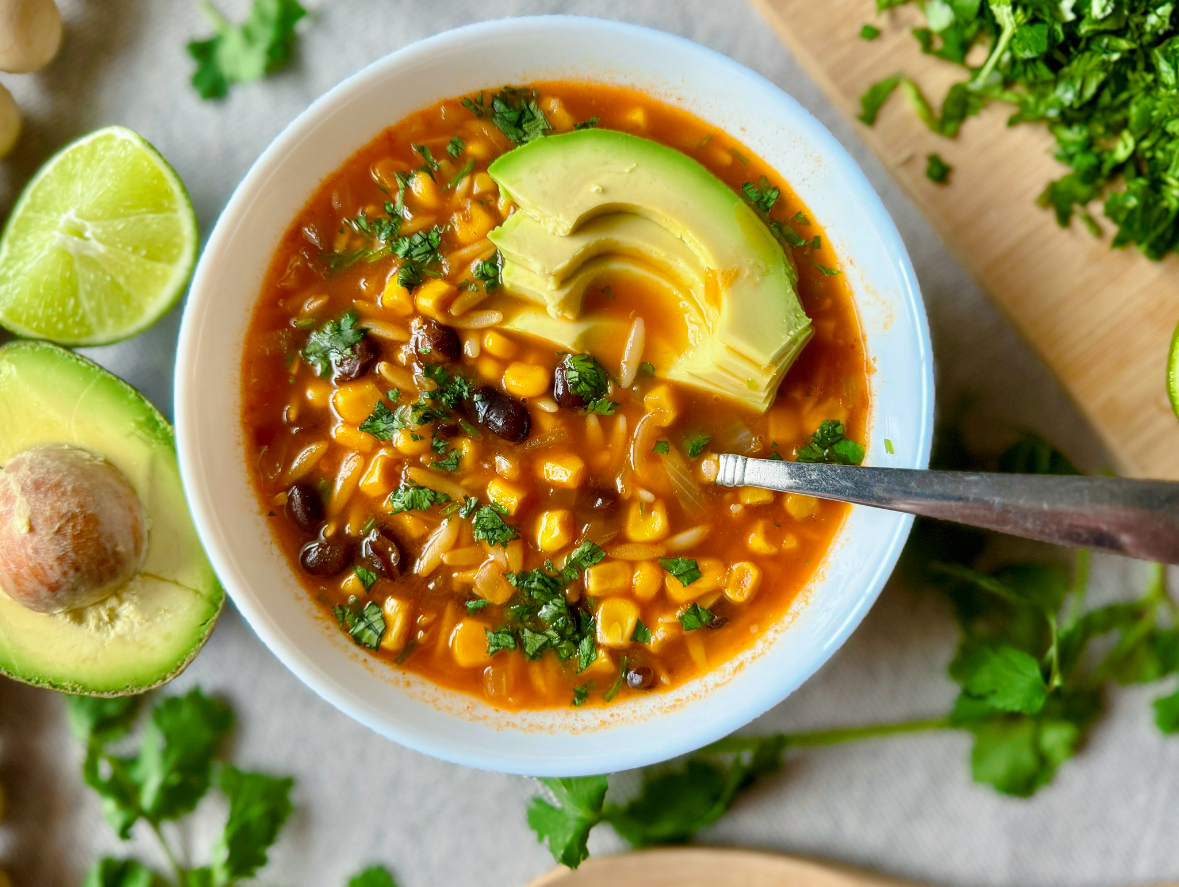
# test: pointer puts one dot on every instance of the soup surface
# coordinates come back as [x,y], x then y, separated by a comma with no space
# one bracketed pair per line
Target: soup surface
[535,527]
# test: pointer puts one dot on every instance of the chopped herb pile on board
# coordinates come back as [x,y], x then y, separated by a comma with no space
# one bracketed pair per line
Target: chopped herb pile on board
[1102,75]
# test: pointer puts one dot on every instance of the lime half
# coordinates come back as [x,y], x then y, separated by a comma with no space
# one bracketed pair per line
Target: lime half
[1173,372]
[100,244]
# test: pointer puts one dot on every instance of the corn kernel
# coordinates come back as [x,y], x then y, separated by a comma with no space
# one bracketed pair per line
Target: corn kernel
[426,191]
[488,367]
[507,467]
[433,296]
[608,577]
[759,540]
[744,579]
[647,580]
[565,470]
[665,632]
[354,401]
[491,583]
[409,524]
[790,542]
[559,117]
[480,149]
[473,224]
[646,521]
[506,494]
[755,496]
[381,475]
[514,551]
[397,298]
[352,585]
[353,438]
[801,507]
[554,530]
[483,184]
[318,394]
[468,641]
[398,623]
[526,379]
[499,345]
[662,402]
[469,447]
[403,440]
[617,617]
[712,577]
[636,117]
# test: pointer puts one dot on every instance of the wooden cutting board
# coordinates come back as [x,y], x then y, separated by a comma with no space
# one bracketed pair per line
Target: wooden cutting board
[1100,319]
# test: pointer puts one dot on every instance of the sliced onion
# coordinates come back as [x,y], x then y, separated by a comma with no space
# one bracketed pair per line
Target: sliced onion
[642,441]
[632,355]
[682,482]
[440,542]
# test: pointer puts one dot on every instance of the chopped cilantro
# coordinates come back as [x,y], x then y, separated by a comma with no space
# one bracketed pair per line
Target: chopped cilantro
[585,376]
[618,681]
[642,634]
[241,53]
[367,577]
[872,100]
[440,445]
[647,368]
[488,271]
[490,527]
[455,148]
[474,607]
[475,106]
[383,422]
[418,253]
[869,32]
[470,504]
[431,165]
[739,157]
[801,218]
[787,235]
[762,195]
[827,272]
[937,170]
[828,444]
[451,390]
[412,497]
[696,617]
[588,123]
[518,116]
[584,556]
[464,171]
[888,448]
[581,693]
[662,447]
[684,569]
[363,622]
[450,463]
[502,639]
[694,444]
[332,343]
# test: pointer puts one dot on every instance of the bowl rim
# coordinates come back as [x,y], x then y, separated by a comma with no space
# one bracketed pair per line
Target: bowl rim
[187,427]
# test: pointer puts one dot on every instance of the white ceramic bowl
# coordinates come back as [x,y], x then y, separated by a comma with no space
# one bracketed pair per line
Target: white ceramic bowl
[234,529]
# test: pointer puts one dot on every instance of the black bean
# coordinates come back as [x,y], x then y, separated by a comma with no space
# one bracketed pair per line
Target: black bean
[641,678]
[447,430]
[595,498]
[327,557]
[353,363]
[381,554]
[434,342]
[304,507]
[502,415]
[718,621]
[561,393]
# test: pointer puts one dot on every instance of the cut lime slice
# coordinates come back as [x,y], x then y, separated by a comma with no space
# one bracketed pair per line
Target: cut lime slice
[100,244]
[1173,372]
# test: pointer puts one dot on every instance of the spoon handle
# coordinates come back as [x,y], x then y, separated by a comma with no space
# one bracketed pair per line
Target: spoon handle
[1136,518]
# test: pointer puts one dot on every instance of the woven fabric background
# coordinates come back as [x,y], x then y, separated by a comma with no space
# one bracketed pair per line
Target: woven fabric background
[905,806]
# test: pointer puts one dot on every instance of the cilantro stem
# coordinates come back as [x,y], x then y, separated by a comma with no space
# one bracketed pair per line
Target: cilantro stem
[172,860]
[837,736]
[1006,17]
[1080,586]
[220,25]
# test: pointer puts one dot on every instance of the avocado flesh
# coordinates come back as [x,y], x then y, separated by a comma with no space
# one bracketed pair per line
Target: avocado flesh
[756,325]
[147,631]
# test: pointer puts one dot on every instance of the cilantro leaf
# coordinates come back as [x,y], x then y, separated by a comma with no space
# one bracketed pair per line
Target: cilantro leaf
[828,444]
[585,376]
[662,447]
[488,270]
[763,196]
[110,872]
[419,256]
[937,170]
[696,617]
[363,621]
[694,444]
[241,53]
[412,497]
[518,116]
[502,639]
[684,569]
[474,607]
[869,32]
[1005,678]
[367,577]
[489,526]
[565,826]
[259,805]
[588,123]
[373,876]
[872,100]
[333,343]
[455,147]
[1166,713]
[450,463]
[383,423]
[581,693]
[642,634]
[97,720]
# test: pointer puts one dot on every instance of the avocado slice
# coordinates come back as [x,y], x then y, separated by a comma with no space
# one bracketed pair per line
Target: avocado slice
[147,631]
[755,324]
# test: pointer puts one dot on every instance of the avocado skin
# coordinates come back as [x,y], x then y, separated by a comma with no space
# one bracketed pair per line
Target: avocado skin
[149,631]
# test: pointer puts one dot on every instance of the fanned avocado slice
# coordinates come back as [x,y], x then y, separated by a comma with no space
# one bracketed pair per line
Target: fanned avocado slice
[585,187]
[148,630]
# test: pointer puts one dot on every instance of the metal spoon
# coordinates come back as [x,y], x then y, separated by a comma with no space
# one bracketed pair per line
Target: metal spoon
[1136,518]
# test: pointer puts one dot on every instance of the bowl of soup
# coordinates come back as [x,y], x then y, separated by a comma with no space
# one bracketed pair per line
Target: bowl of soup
[459,359]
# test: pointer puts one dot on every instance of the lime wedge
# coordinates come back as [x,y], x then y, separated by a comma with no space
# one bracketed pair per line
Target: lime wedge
[100,244]
[1173,372]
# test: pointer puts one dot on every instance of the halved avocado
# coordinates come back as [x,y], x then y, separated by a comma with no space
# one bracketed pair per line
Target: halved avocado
[148,630]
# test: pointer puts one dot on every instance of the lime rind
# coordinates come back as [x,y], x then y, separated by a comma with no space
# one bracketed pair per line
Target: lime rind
[100,245]
[1173,372]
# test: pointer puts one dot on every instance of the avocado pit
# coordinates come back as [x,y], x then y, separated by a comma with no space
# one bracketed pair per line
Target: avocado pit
[72,528]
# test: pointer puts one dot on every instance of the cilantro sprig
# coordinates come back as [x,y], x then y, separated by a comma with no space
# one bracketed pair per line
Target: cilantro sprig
[240,53]
[829,444]
[518,116]
[333,343]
